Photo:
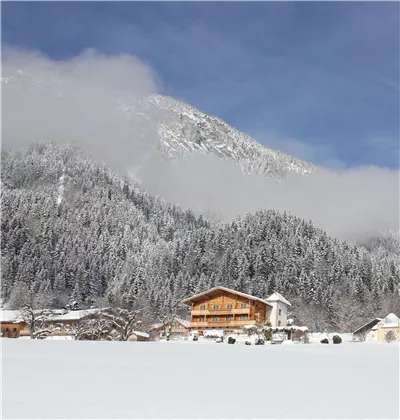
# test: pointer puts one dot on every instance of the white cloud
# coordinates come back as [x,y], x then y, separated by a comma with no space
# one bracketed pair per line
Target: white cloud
[352,204]
[75,101]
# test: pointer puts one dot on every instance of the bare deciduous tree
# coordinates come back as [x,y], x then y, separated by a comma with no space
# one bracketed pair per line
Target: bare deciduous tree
[90,329]
[38,321]
[123,322]
[168,322]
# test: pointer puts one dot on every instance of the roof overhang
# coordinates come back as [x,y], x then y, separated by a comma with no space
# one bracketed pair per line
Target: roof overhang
[367,326]
[207,293]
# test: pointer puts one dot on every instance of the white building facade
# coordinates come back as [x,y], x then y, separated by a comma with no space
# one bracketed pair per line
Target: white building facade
[278,313]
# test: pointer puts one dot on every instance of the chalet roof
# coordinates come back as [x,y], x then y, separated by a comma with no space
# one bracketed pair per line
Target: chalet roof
[225,289]
[11,316]
[368,325]
[275,297]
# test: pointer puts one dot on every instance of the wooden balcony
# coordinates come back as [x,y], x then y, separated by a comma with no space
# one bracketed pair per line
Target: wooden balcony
[236,311]
[222,324]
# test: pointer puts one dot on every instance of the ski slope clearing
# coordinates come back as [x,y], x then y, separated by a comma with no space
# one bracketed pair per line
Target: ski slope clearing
[76,379]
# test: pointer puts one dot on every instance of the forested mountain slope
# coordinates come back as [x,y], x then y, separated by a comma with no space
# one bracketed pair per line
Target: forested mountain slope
[74,230]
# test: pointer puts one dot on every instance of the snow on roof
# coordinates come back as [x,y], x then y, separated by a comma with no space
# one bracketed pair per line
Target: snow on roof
[75,315]
[390,319]
[250,327]
[250,297]
[141,334]
[160,325]
[369,324]
[278,297]
[184,322]
[11,316]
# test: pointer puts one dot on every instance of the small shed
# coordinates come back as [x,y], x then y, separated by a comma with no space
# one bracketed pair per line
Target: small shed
[367,332]
[12,324]
[176,328]
[139,336]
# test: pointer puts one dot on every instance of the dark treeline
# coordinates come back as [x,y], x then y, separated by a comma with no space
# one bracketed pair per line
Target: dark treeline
[73,230]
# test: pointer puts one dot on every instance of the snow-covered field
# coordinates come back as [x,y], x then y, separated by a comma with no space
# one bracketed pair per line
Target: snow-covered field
[70,379]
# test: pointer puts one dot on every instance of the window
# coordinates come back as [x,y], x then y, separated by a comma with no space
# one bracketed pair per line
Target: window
[216,307]
[228,306]
[243,317]
[201,319]
[215,319]
[229,318]
[202,307]
[279,322]
[280,311]
[243,305]
[6,329]
[14,329]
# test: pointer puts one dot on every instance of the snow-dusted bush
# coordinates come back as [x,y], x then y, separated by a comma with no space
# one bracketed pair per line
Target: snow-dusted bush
[231,340]
[324,341]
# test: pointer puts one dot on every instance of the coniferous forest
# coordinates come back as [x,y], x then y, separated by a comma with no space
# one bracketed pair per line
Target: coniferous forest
[72,230]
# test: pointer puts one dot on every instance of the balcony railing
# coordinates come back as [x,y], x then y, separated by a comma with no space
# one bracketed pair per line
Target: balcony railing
[215,324]
[225,311]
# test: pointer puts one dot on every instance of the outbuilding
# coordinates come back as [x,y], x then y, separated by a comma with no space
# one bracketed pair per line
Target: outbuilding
[12,324]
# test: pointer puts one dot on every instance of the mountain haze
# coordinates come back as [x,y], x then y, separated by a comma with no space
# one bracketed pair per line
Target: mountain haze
[108,105]
[180,128]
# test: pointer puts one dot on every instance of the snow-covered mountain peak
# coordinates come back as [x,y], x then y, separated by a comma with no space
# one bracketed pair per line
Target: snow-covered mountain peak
[183,129]
[193,130]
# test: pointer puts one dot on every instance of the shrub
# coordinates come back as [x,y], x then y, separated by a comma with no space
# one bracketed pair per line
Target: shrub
[324,341]
[231,340]
[336,339]
[248,343]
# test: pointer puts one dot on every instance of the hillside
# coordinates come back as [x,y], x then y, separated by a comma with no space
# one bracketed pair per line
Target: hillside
[73,229]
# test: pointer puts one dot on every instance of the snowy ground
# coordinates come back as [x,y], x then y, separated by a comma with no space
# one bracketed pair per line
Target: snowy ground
[69,379]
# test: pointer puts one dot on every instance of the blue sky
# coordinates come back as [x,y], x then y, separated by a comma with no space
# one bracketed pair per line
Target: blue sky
[317,80]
